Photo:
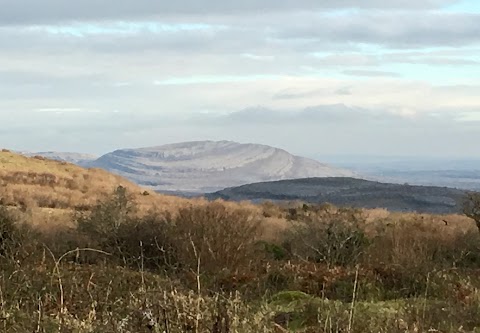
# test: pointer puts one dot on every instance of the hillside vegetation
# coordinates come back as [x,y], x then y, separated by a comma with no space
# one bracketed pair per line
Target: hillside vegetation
[133,263]
[47,187]
[352,192]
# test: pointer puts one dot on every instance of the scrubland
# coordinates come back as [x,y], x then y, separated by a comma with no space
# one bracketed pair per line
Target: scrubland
[114,258]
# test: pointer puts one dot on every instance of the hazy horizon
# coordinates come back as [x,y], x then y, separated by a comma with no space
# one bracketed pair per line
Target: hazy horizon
[337,158]
[316,78]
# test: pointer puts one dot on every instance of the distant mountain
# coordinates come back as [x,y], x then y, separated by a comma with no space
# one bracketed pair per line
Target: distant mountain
[74,158]
[462,179]
[351,192]
[208,166]
[450,172]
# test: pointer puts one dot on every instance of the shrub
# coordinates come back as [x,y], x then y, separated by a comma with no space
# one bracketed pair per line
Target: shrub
[138,242]
[471,207]
[419,246]
[103,223]
[9,235]
[215,237]
[147,243]
[334,237]
[211,239]
[277,280]
[106,217]
[274,251]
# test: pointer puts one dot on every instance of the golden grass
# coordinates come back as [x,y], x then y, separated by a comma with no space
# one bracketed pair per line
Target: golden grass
[50,188]
[419,271]
[48,191]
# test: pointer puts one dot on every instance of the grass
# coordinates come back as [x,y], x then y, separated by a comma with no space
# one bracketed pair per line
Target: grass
[56,187]
[130,262]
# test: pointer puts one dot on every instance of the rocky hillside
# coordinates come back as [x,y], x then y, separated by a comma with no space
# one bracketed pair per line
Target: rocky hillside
[208,166]
[351,192]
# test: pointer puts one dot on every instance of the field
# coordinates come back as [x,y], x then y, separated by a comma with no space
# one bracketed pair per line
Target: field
[108,257]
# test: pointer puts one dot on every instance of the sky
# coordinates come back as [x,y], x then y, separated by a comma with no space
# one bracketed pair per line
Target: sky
[315,77]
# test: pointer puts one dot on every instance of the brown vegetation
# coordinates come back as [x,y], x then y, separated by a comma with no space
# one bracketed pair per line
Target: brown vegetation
[131,262]
[207,268]
[31,183]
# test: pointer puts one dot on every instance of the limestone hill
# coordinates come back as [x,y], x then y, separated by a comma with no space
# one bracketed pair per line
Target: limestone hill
[209,166]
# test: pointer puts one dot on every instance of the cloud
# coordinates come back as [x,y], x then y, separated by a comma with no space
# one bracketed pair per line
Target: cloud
[315,130]
[370,73]
[436,57]
[345,59]
[343,91]
[429,58]
[261,43]
[326,71]
[292,94]
[212,79]
[55,11]
[392,29]
[262,38]
[338,114]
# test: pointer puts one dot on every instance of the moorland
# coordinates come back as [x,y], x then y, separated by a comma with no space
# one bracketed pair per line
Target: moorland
[82,250]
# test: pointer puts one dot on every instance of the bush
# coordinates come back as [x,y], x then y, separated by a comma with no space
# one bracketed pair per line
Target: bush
[420,246]
[277,281]
[102,224]
[471,207]
[274,251]
[216,238]
[146,243]
[9,235]
[211,239]
[138,242]
[333,237]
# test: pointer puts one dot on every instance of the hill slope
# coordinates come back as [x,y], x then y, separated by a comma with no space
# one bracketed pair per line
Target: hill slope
[207,166]
[75,158]
[40,182]
[351,192]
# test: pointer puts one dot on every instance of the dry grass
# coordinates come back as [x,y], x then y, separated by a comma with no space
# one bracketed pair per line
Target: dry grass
[222,267]
[202,270]
[48,189]
[233,267]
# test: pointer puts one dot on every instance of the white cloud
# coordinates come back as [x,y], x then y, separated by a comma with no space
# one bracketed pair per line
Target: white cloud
[148,72]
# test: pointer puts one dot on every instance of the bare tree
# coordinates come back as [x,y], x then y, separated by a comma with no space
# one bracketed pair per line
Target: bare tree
[471,207]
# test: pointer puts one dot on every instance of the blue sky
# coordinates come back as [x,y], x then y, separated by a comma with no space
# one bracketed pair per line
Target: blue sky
[469,6]
[383,77]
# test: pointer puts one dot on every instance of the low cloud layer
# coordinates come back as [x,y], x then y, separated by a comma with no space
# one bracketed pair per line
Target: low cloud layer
[313,131]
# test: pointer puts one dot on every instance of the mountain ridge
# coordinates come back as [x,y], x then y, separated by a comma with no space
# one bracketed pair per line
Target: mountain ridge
[208,166]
